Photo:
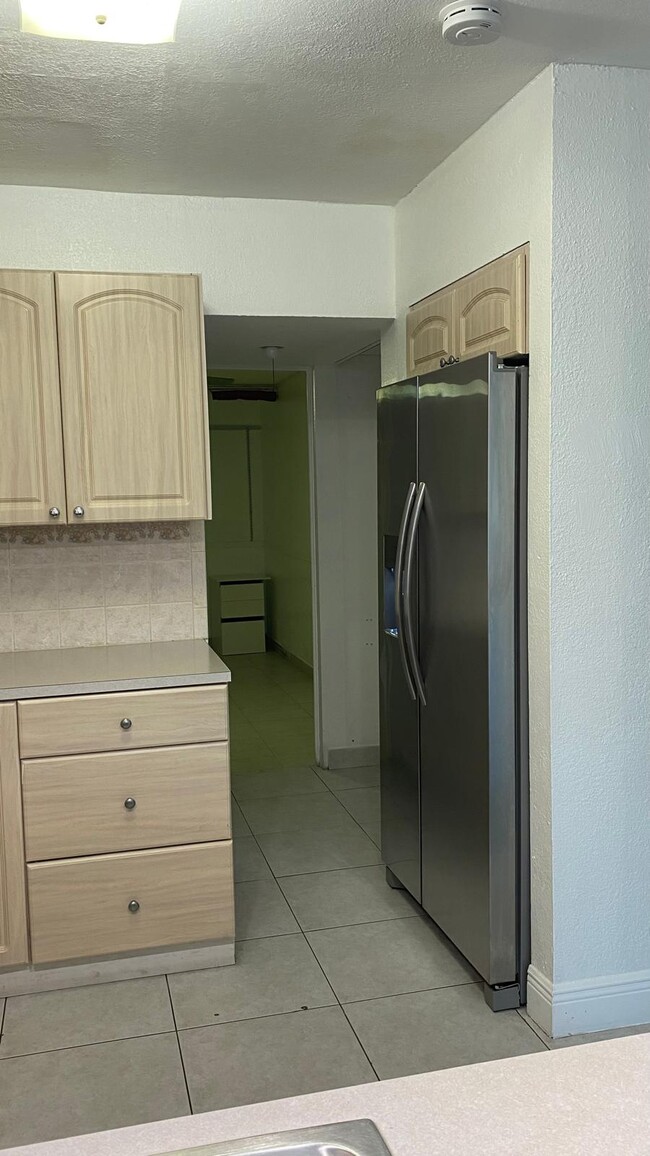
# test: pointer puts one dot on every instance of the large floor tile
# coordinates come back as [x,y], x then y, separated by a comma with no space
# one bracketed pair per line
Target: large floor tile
[388,958]
[363,803]
[583,1037]
[373,831]
[266,1059]
[429,1030]
[350,778]
[259,760]
[318,811]
[239,824]
[85,1015]
[275,783]
[299,852]
[249,860]
[340,898]
[270,976]
[89,1089]
[262,910]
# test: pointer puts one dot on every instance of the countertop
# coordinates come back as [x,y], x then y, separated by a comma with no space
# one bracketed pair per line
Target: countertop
[589,1100]
[99,669]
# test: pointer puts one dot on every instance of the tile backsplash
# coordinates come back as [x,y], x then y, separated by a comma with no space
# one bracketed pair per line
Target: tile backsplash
[90,585]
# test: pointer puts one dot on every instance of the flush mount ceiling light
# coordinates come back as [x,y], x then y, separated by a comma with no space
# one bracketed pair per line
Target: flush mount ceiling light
[116,21]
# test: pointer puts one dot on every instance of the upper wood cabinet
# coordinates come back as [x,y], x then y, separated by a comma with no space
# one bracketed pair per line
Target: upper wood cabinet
[134,396]
[121,360]
[430,329]
[485,311]
[31,458]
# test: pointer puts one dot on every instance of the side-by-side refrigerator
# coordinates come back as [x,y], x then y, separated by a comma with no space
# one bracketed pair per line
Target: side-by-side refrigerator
[454,766]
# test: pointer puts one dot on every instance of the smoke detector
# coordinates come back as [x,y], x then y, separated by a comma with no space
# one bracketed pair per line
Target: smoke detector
[470,24]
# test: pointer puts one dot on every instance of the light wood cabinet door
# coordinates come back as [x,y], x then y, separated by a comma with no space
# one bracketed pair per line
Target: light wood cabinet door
[108,904]
[491,307]
[430,329]
[31,461]
[13,916]
[134,396]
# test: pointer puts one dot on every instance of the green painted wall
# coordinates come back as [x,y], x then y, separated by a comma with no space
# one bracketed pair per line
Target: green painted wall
[287,548]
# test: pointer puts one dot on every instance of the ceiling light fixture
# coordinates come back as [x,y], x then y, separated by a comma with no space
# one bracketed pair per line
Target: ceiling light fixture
[116,21]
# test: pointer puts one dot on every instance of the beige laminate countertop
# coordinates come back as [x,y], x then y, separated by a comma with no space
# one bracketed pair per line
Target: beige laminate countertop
[589,1100]
[100,669]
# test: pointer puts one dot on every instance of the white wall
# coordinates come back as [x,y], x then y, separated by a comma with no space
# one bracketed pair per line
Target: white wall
[491,195]
[266,258]
[600,536]
[345,477]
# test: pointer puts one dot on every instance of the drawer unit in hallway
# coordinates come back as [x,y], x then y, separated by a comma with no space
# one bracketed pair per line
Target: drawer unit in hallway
[124,801]
[240,615]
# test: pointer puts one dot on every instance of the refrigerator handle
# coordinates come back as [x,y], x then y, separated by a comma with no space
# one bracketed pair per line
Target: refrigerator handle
[408,582]
[399,587]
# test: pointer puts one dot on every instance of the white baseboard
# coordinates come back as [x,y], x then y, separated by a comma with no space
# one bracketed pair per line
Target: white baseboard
[343,758]
[595,1005]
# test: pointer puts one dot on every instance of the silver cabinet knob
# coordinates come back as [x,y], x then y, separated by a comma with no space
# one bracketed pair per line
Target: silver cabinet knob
[126,724]
[55,512]
[129,804]
[78,511]
[134,906]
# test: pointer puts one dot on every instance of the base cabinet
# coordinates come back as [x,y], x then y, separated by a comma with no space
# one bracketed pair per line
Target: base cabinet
[127,850]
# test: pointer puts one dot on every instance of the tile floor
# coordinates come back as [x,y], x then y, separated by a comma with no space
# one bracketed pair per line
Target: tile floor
[339,980]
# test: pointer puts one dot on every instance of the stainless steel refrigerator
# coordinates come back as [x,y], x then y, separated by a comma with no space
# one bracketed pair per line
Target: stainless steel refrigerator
[452,518]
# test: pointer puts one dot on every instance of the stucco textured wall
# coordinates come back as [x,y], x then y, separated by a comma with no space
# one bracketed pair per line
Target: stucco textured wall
[258,258]
[491,195]
[600,523]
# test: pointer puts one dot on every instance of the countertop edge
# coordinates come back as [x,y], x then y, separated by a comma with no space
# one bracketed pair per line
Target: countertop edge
[161,682]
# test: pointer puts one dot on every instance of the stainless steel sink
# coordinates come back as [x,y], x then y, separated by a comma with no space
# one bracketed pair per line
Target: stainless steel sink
[350,1138]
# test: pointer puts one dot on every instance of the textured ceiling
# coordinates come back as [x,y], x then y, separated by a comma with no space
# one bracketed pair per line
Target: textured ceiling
[349,100]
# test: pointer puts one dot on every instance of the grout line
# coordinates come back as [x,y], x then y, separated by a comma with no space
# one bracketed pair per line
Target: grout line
[537,1032]
[292,1011]
[414,991]
[178,1044]
[2,1017]
[88,1043]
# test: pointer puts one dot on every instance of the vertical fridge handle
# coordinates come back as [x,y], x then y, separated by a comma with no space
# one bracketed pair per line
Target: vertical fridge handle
[408,582]
[399,589]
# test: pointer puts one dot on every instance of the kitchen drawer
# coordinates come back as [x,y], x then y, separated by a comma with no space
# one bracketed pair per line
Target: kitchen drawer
[251,608]
[93,722]
[76,805]
[79,908]
[242,592]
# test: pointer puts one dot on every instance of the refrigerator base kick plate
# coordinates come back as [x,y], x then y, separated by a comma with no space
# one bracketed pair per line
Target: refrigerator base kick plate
[503,997]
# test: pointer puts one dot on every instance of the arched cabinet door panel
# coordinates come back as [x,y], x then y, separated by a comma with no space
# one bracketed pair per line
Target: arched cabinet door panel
[133,393]
[430,332]
[491,306]
[31,461]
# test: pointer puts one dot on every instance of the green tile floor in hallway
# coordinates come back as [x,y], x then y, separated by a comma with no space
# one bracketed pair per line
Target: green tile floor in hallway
[339,980]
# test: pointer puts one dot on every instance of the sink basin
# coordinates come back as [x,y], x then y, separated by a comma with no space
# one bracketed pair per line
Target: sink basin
[350,1138]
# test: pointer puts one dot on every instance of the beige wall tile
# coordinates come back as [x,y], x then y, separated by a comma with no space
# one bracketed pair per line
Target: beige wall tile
[36,631]
[81,586]
[34,588]
[6,632]
[114,552]
[83,627]
[78,554]
[163,551]
[126,584]
[23,556]
[4,585]
[200,622]
[199,588]
[171,581]
[170,621]
[127,624]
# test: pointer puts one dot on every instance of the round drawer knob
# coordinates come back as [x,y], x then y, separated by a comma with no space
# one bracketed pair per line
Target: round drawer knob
[129,804]
[55,512]
[134,906]
[78,511]
[126,724]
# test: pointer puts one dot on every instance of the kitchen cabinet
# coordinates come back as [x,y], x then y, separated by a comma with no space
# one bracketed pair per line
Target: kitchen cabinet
[430,332]
[31,462]
[118,364]
[13,914]
[487,310]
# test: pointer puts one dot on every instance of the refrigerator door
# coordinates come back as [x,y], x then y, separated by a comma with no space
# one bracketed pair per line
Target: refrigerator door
[400,785]
[468,545]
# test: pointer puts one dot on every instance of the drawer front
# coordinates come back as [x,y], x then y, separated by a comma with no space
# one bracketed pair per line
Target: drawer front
[242,592]
[79,908]
[243,637]
[251,608]
[91,804]
[93,722]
